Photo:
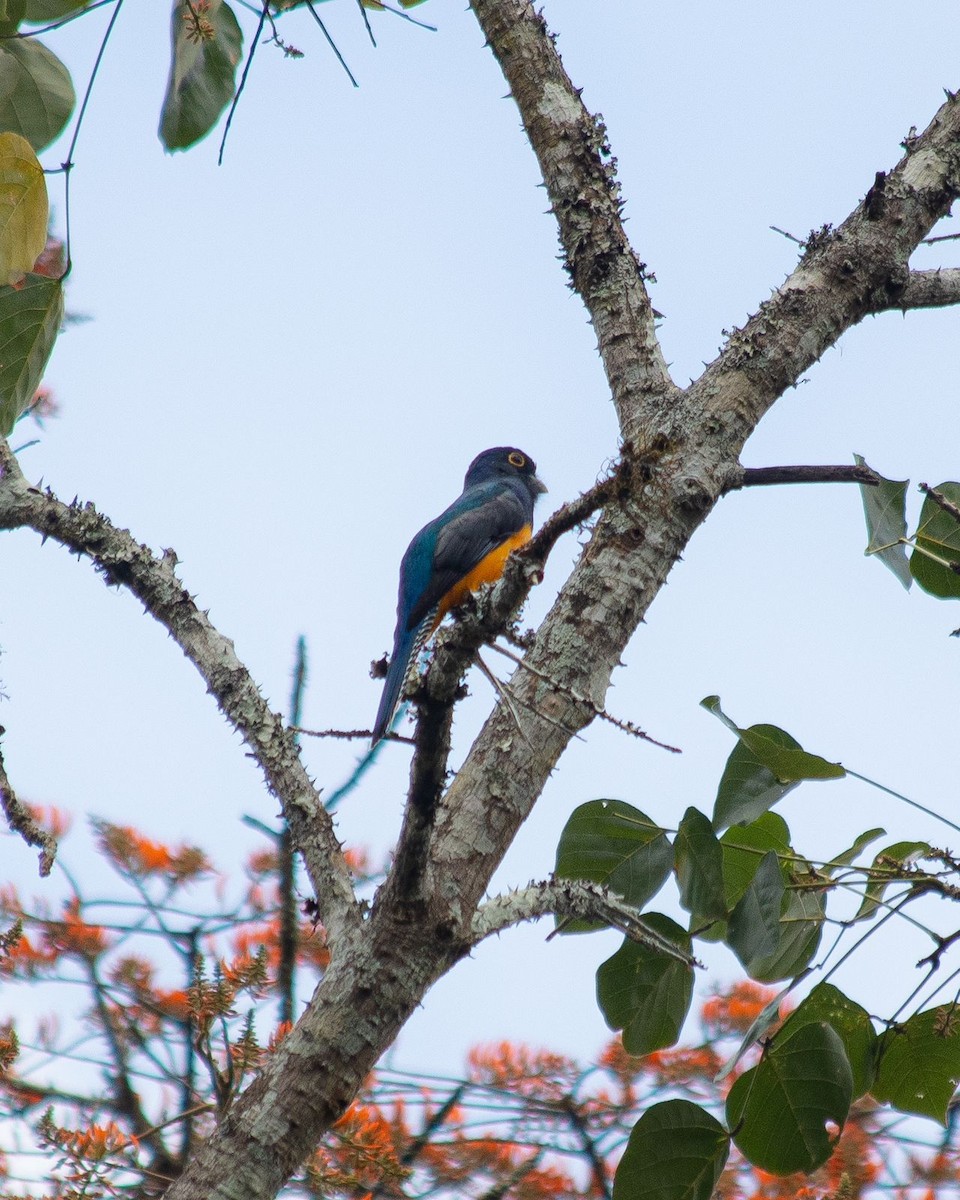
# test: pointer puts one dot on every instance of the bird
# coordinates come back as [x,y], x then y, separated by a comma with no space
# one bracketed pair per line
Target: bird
[455,554]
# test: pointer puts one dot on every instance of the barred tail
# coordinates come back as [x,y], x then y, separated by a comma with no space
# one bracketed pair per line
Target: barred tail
[403,664]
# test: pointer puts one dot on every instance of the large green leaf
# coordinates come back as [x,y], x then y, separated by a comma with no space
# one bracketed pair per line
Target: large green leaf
[616,845]
[699,860]
[11,14]
[30,318]
[645,992]
[884,508]
[938,546]
[676,1152]
[799,932]
[919,1069]
[888,868]
[754,926]
[788,763]
[745,845]
[849,1021]
[36,92]
[748,787]
[23,207]
[40,12]
[205,51]
[779,1110]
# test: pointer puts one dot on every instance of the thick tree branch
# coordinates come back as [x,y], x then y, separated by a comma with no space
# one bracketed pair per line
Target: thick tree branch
[924,289]
[122,561]
[844,274]
[682,446]
[579,173]
[571,900]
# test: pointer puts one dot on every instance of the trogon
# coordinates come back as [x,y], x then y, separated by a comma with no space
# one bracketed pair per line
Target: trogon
[462,549]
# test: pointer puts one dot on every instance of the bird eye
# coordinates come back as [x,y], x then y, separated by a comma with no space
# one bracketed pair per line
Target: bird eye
[516,459]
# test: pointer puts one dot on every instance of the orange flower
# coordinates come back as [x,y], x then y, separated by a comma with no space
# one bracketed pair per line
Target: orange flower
[140,856]
[73,935]
[531,1073]
[736,1010]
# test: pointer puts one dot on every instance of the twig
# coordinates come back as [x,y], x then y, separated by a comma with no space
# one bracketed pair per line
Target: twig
[22,821]
[789,236]
[765,476]
[264,13]
[506,696]
[941,501]
[333,44]
[68,164]
[597,710]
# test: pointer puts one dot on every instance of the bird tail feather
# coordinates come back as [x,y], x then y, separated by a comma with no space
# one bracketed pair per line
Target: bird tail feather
[403,665]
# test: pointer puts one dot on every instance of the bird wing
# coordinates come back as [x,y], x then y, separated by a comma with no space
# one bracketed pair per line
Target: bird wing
[480,521]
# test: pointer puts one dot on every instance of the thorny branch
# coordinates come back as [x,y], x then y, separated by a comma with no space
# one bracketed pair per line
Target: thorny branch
[122,561]
[21,821]
[571,900]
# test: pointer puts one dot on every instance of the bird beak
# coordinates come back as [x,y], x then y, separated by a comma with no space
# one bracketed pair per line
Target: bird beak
[538,486]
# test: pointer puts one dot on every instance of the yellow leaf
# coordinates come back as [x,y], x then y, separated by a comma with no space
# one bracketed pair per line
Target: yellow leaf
[23,207]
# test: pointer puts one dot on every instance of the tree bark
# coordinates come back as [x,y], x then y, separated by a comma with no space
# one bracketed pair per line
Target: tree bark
[680,451]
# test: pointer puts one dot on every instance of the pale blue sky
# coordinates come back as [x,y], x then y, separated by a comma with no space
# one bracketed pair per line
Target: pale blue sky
[292,358]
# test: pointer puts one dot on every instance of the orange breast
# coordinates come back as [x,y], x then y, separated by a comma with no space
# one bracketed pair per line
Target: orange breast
[488,570]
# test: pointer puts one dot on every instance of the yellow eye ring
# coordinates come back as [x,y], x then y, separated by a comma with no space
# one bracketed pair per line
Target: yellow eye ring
[516,459]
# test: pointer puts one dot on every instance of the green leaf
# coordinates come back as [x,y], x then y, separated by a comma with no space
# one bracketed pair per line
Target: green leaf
[23,207]
[887,869]
[748,788]
[616,845]
[745,845]
[779,1109]
[754,927]
[884,508]
[938,535]
[36,92]
[204,55]
[788,763]
[699,859]
[846,857]
[849,1021]
[42,12]
[676,1152]
[919,1068]
[801,926]
[30,318]
[11,14]
[646,993]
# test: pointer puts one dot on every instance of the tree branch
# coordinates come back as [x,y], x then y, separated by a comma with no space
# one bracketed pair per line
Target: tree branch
[21,821]
[844,274]
[925,289]
[122,561]
[743,477]
[579,173]
[571,900]
[941,501]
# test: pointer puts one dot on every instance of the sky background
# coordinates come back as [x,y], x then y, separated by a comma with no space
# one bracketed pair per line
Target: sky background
[291,359]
